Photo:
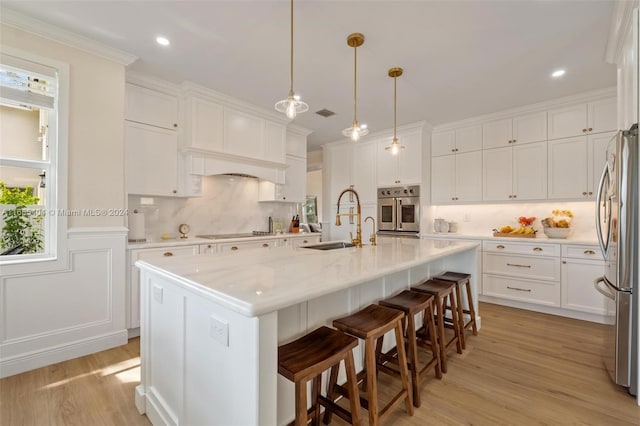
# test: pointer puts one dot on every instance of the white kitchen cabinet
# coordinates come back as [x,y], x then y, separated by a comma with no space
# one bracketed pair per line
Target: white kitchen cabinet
[526,272]
[151,160]
[246,245]
[208,248]
[581,265]
[575,165]
[243,134]
[517,172]
[295,183]
[275,141]
[297,241]
[205,125]
[133,287]
[456,178]
[582,119]
[151,107]
[521,129]
[463,139]
[405,168]
[296,144]
[352,166]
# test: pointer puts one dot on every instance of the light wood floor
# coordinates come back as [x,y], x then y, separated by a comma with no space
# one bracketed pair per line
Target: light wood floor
[524,368]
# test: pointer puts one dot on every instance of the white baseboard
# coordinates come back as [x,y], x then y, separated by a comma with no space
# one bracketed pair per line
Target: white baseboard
[584,316]
[52,355]
[133,332]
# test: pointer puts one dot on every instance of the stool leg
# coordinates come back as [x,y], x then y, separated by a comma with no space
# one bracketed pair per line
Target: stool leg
[460,316]
[301,403]
[402,360]
[372,388]
[352,385]
[315,393]
[430,322]
[413,358]
[472,310]
[331,392]
[442,344]
[456,322]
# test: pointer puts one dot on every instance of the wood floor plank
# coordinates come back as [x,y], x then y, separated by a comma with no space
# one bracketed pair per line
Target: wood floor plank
[524,368]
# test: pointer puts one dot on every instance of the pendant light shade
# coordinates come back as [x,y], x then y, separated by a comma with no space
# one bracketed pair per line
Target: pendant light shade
[395,146]
[356,131]
[292,105]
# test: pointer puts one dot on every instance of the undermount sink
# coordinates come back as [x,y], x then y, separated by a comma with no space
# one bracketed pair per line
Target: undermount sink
[330,245]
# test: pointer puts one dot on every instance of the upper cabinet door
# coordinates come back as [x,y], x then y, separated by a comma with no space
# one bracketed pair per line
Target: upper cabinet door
[469,176]
[530,128]
[567,121]
[244,134]
[568,168]
[443,179]
[205,128]
[496,174]
[468,139]
[602,115]
[363,171]
[497,133]
[151,107]
[410,159]
[530,171]
[296,145]
[443,143]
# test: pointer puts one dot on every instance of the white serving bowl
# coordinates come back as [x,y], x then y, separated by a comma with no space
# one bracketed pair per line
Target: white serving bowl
[557,232]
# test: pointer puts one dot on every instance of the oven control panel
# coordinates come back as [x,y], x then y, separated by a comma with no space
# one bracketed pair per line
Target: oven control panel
[399,191]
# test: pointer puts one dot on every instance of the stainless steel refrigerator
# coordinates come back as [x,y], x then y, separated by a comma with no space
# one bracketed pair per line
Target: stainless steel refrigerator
[617,229]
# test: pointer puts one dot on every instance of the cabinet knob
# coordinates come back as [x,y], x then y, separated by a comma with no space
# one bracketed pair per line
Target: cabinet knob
[590,193]
[453,150]
[167,254]
[514,196]
[590,129]
[515,140]
[175,191]
[537,249]
[265,245]
[305,242]
[589,252]
[584,193]
[209,246]
[510,196]
[584,130]
[499,246]
[564,262]
[175,125]
[284,198]
[234,248]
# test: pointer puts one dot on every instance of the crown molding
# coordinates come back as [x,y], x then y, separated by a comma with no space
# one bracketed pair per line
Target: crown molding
[621,22]
[589,96]
[35,26]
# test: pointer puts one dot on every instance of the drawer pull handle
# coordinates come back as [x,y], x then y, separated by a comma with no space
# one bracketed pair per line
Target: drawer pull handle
[234,248]
[500,246]
[305,242]
[537,249]
[519,289]
[265,245]
[589,252]
[167,254]
[518,266]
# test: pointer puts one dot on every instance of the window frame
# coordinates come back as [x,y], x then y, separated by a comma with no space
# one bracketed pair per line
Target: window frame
[55,256]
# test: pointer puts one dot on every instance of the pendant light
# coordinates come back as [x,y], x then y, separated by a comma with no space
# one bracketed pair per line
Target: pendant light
[395,147]
[292,105]
[356,131]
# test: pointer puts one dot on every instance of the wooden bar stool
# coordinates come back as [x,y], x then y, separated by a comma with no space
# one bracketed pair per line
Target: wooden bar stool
[370,324]
[443,291]
[412,303]
[461,279]
[306,358]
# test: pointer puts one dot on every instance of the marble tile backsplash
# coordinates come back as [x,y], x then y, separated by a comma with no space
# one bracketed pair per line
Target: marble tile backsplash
[480,219]
[229,204]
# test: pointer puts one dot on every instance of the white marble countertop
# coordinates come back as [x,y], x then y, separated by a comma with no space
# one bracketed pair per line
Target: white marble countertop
[153,243]
[540,238]
[260,281]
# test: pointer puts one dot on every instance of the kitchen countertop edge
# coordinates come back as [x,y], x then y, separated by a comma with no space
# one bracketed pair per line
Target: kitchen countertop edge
[198,241]
[538,239]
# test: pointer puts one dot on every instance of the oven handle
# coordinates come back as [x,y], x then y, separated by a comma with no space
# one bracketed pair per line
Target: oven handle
[398,219]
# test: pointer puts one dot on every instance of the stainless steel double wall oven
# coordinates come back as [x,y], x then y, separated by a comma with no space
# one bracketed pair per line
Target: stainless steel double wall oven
[399,210]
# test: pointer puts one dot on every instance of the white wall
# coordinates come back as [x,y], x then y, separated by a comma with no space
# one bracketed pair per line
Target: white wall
[52,311]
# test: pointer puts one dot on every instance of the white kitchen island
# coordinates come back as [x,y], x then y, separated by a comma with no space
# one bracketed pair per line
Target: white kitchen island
[211,325]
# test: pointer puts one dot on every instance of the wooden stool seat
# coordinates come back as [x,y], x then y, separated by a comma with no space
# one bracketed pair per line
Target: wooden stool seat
[412,303]
[371,324]
[462,280]
[443,291]
[306,358]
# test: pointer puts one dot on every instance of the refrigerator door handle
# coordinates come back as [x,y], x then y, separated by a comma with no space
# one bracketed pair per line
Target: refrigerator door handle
[605,293]
[603,244]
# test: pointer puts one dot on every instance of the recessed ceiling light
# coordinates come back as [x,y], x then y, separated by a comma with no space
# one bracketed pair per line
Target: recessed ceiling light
[163,41]
[557,73]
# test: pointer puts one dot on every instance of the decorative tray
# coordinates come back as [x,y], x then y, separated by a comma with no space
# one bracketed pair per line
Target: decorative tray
[507,234]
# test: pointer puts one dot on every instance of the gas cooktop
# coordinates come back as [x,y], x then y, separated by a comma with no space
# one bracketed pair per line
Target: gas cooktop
[229,236]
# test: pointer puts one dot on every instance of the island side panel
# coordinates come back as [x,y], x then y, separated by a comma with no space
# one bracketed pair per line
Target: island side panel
[203,363]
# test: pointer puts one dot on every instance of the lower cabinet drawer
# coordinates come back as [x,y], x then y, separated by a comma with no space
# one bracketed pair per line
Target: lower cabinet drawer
[246,245]
[540,292]
[539,268]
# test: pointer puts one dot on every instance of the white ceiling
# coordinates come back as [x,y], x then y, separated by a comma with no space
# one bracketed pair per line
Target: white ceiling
[461,58]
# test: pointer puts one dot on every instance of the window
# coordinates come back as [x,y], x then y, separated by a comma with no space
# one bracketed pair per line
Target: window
[28,158]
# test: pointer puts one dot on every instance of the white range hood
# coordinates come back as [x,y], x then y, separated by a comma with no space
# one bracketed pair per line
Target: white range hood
[223,164]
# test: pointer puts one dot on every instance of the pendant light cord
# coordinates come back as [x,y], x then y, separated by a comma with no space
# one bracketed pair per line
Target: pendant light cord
[291,62]
[395,107]
[355,82]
